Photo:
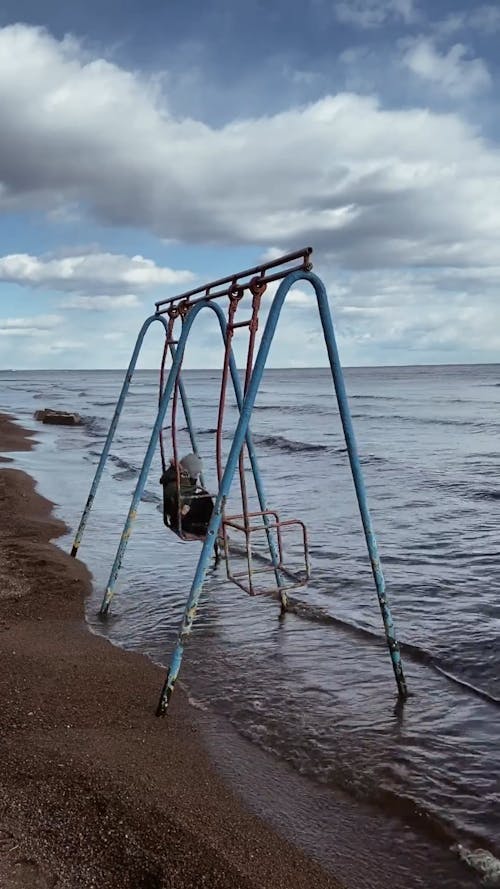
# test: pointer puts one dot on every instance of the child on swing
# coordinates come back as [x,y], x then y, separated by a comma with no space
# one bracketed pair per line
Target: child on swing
[189,499]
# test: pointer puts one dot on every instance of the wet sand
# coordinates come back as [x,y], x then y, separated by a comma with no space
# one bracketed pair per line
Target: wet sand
[94,790]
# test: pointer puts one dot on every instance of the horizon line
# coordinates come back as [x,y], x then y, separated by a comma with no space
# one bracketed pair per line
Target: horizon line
[205,369]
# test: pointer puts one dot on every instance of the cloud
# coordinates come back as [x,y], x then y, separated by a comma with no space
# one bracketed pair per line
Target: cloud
[101,303]
[401,205]
[37,324]
[483,19]
[380,187]
[60,346]
[113,336]
[88,273]
[416,316]
[452,72]
[375,13]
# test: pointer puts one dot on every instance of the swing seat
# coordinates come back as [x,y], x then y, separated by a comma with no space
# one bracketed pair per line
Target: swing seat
[276,578]
[202,504]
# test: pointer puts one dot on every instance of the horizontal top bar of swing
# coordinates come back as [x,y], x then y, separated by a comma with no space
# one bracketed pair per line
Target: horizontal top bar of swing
[204,290]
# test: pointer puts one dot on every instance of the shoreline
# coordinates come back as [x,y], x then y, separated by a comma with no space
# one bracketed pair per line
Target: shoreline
[94,789]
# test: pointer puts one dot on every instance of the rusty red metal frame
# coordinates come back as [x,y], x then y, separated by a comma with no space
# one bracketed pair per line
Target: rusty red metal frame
[169,342]
[233,281]
[240,523]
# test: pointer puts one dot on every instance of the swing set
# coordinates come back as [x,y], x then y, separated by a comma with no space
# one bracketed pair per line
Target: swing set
[178,314]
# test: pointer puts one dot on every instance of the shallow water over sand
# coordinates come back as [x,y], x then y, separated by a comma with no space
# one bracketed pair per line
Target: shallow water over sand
[312,697]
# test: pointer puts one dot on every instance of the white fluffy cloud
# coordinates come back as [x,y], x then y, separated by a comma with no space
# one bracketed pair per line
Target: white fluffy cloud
[483,19]
[89,273]
[452,71]
[33,326]
[428,311]
[375,13]
[370,185]
[402,206]
[101,303]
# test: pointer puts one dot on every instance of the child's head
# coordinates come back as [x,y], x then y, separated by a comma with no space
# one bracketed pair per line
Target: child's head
[192,464]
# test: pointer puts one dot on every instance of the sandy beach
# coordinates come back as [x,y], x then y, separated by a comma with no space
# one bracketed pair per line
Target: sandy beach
[94,790]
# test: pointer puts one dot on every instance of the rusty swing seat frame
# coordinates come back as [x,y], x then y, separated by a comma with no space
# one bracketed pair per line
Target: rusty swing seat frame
[241,524]
[289,270]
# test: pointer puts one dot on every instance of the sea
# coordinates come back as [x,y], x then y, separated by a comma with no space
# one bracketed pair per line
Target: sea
[300,712]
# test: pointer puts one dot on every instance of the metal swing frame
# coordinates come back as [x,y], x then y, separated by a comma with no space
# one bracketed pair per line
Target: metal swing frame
[189,305]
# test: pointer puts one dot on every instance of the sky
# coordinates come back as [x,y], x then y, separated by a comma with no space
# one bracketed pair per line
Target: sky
[148,147]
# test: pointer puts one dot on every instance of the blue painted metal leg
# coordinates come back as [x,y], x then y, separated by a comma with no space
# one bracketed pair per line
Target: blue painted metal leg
[141,482]
[371,542]
[112,429]
[201,569]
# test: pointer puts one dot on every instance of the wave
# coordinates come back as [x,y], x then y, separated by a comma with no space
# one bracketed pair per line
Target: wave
[281,443]
[429,421]
[128,471]
[123,464]
[469,686]
[206,432]
[419,655]
[290,446]
[150,497]
[486,495]
[368,458]
[292,409]
[464,489]
[376,397]
[97,427]
[125,475]
[210,431]
[405,805]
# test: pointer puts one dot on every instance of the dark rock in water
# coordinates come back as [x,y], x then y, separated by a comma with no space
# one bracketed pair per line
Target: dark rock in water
[58,418]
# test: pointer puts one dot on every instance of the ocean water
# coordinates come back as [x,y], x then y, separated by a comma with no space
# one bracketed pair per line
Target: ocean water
[308,703]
